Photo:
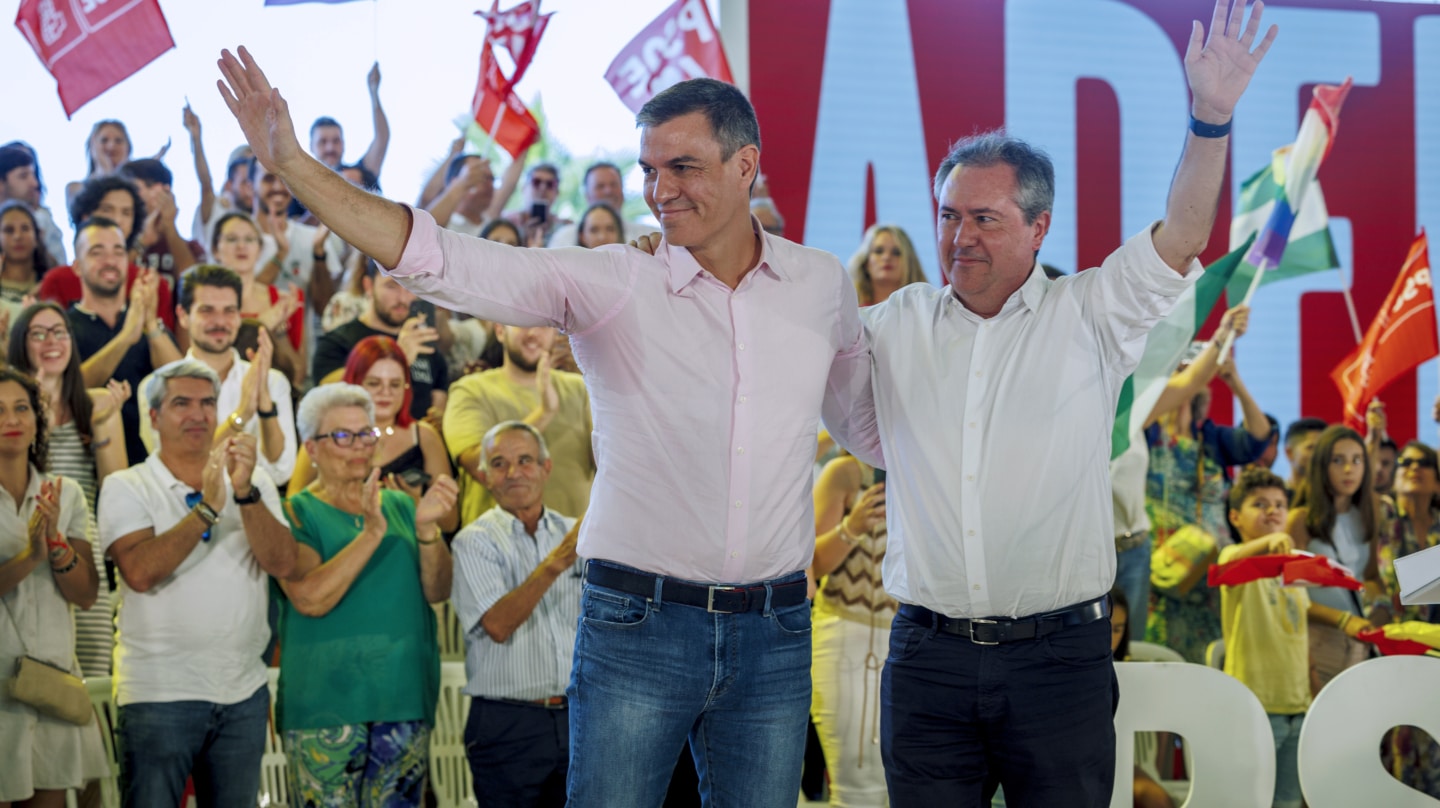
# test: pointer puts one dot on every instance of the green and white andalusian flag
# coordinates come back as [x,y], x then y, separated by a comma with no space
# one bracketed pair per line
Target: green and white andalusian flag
[1281,225]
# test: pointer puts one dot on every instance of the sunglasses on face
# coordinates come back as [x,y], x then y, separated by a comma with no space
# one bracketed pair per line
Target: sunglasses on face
[1407,462]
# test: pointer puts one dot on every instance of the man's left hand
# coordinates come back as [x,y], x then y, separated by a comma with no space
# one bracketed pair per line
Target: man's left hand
[240,454]
[1219,68]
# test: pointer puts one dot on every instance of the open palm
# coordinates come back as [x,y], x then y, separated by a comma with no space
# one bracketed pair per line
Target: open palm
[1219,67]
[263,115]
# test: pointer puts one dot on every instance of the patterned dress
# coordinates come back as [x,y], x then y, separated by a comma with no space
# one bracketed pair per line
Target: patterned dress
[1409,753]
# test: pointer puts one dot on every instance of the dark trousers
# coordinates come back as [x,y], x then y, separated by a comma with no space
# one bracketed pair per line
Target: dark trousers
[1036,716]
[519,754]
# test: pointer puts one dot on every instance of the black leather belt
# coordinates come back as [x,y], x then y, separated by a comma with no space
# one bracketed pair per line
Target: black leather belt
[552,703]
[711,598]
[996,630]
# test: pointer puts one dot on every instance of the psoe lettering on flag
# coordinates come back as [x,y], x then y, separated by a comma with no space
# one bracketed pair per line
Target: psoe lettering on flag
[517,31]
[91,45]
[1401,337]
[682,43]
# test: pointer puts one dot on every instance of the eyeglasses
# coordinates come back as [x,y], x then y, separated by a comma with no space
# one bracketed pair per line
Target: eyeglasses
[57,333]
[345,439]
[1407,462]
[191,500]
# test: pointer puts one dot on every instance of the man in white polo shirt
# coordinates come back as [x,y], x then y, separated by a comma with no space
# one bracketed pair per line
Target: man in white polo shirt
[193,549]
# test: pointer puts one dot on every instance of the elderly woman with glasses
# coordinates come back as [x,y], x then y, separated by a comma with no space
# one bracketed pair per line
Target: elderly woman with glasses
[359,663]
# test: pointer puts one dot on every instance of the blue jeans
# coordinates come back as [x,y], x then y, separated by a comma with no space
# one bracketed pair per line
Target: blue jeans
[1132,575]
[160,743]
[1287,767]
[959,719]
[648,674]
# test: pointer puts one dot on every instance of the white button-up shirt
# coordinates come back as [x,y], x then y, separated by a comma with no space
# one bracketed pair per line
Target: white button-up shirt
[493,557]
[228,402]
[996,433]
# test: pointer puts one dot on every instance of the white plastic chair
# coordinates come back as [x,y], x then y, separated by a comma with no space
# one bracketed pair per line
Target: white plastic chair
[274,771]
[1340,740]
[1224,726]
[1141,651]
[451,638]
[102,696]
[449,769]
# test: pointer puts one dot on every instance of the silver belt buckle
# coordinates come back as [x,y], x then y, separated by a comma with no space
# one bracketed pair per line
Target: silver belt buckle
[710,597]
[982,621]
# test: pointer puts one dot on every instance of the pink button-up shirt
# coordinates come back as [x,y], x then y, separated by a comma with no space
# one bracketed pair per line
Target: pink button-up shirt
[706,400]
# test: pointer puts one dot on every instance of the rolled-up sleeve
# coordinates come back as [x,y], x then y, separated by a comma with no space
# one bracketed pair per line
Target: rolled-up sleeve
[572,289]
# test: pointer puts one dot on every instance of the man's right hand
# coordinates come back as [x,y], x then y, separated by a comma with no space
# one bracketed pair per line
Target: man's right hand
[263,115]
[212,479]
[416,338]
[136,313]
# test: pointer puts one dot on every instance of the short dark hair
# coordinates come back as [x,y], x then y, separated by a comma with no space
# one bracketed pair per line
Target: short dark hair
[496,224]
[207,275]
[13,156]
[732,118]
[324,120]
[368,180]
[83,206]
[551,167]
[1389,443]
[1302,427]
[1034,173]
[593,167]
[147,170]
[1252,480]
[34,160]
[93,221]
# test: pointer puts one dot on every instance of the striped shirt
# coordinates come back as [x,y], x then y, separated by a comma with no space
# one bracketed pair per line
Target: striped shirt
[94,627]
[494,555]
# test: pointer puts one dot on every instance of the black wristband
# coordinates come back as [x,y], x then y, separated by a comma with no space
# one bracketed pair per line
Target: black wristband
[270,413]
[250,498]
[319,256]
[1211,130]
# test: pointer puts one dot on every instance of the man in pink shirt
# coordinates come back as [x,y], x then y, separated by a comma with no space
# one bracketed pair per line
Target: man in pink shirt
[709,365]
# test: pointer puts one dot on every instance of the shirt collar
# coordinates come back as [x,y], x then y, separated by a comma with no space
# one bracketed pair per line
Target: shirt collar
[513,523]
[32,488]
[1029,296]
[238,365]
[682,266]
[163,474]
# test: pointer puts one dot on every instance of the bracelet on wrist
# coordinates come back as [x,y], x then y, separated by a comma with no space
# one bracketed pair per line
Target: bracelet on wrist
[434,537]
[1343,621]
[845,535]
[74,562]
[1210,130]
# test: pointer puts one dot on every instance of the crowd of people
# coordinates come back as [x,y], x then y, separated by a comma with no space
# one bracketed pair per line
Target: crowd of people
[280,440]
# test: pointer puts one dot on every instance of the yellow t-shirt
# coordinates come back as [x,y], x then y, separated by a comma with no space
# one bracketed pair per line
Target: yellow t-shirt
[1266,644]
[482,400]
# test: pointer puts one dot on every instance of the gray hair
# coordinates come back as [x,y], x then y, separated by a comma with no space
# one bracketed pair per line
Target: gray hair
[325,398]
[1034,174]
[487,443]
[732,119]
[179,369]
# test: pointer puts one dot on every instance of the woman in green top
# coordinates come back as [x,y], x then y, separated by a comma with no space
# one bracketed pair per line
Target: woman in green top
[359,663]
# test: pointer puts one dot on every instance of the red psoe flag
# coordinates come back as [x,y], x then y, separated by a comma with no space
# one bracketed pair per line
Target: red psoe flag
[1401,337]
[680,44]
[90,47]
[499,111]
[517,30]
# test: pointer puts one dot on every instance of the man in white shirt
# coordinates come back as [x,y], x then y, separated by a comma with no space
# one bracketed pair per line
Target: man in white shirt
[516,591]
[254,397]
[194,530]
[995,399]
[290,250]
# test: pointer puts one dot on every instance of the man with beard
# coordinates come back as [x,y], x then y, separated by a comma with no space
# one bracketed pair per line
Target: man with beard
[524,388]
[254,397]
[389,313]
[290,251]
[116,340]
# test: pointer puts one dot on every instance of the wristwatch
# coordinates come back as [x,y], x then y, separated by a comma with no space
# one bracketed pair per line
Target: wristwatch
[250,498]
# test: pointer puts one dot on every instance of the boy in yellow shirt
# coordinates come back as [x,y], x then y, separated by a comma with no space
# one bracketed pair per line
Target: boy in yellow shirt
[1264,624]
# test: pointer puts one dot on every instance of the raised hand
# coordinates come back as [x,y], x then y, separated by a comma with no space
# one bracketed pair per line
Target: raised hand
[1375,420]
[416,338]
[1236,321]
[318,245]
[868,512]
[191,122]
[374,515]
[437,502]
[240,455]
[119,392]
[263,114]
[212,479]
[563,556]
[1219,67]
[373,79]
[44,519]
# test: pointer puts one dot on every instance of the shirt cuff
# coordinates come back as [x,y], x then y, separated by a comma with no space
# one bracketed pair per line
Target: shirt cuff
[422,246]
[1158,276]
